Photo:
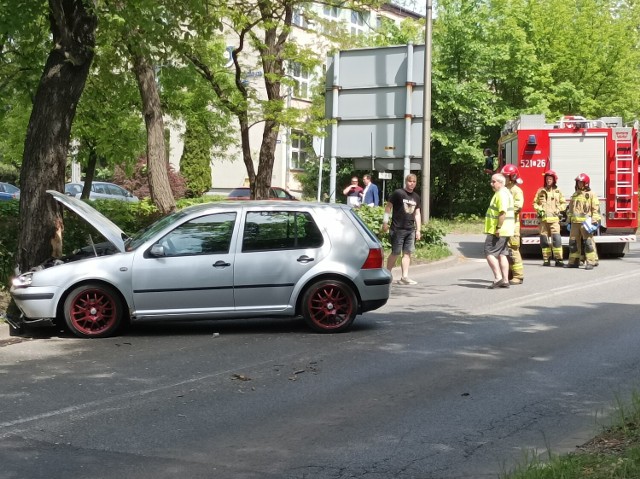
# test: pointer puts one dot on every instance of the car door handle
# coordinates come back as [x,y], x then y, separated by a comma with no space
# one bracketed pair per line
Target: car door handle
[221,264]
[305,259]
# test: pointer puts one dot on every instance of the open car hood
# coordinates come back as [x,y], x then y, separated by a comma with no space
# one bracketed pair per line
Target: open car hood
[104,225]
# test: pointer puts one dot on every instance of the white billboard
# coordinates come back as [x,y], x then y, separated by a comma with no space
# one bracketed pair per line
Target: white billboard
[375,98]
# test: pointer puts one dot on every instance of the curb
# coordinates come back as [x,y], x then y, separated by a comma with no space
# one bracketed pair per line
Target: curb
[4,330]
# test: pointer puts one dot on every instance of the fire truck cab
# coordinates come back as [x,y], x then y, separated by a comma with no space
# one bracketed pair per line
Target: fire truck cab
[604,149]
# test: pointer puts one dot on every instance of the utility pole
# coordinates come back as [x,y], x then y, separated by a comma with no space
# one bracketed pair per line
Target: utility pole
[426,116]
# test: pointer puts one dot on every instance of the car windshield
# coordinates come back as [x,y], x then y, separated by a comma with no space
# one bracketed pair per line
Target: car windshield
[143,235]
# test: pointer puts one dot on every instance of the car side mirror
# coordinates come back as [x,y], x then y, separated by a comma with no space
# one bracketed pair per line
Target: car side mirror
[157,251]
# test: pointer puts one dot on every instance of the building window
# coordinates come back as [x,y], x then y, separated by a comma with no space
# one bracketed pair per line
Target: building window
[299,18]
[331,11]
[300,75]
[299,146]
[358,23]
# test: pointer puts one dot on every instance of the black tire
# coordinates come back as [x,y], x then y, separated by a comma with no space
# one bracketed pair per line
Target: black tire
[613,250]
[19,331]
[329,306]
[93,311]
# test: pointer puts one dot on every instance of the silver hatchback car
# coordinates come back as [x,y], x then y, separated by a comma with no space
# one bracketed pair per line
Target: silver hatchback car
[240,259]
[101,190]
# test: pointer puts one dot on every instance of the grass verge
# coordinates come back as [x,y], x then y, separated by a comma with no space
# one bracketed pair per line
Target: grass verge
[431,253]
[612,454]
[460,225]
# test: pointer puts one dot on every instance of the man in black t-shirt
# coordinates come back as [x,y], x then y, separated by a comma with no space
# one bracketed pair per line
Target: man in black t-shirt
[405,225]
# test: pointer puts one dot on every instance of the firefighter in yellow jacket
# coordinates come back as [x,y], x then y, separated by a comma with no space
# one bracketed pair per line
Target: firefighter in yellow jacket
[583,218]
[516,266]
[549,203]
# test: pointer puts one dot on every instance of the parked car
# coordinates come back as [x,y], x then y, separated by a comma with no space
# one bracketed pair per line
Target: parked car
[9,192]
[215,260]
[101,190]
[275,193]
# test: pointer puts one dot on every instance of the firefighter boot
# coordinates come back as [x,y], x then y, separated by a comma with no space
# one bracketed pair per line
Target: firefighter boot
[573,264]
[559,263]
[546,262]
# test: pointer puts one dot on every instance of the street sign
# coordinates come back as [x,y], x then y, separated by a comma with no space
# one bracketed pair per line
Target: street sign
[384,176]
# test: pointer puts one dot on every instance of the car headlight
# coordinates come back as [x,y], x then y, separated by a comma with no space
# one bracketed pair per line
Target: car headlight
[22,281]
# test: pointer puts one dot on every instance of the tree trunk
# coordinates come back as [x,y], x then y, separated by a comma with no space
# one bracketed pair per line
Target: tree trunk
[73,25]
[272,56]
[89,172]
[246,152]
[157,161]
[265,163]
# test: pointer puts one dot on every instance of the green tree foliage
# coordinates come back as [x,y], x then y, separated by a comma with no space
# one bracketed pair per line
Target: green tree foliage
[195,163]
[495,60]
[23,46]
[582,59]
[109,109]
[462,106]
[260,37]
[194,107]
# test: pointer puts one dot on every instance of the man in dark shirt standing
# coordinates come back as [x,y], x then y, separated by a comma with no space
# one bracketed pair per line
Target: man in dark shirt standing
[405,225]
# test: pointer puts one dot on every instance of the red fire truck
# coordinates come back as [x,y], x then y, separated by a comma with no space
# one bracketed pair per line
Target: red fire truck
[604,149]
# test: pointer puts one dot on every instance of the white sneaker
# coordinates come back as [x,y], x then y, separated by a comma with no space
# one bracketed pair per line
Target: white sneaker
[407,281]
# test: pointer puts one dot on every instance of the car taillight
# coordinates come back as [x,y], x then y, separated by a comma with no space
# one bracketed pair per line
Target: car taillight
[374,260]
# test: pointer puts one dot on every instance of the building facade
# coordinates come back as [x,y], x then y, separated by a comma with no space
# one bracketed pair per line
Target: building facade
[228,170]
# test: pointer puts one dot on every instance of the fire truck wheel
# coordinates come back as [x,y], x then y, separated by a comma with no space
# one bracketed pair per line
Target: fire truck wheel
[613,250]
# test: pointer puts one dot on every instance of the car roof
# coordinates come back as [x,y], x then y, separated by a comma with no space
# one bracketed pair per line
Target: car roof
[93,183]
[266,205]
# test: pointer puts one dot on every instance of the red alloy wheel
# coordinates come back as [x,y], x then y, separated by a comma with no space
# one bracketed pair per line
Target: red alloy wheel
[329,306]
[93,311]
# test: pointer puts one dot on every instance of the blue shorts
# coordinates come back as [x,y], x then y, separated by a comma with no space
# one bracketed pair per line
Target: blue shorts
[403,241]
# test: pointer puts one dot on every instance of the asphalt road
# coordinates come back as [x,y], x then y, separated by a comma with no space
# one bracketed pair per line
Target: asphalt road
[448,380]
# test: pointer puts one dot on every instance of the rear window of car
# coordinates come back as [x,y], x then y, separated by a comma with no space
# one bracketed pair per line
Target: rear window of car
[274,230]
[239,192]
[8,188]
[73,189]
[277,193]
[364,226]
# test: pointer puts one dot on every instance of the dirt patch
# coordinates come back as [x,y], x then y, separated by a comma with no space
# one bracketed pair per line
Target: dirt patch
[612,442]
[4,301]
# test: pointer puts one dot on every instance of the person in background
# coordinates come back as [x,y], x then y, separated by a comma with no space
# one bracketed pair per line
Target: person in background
[516,266]
[498,226]
[354,193]
[370,195]
[583,216]
[549,203]
[405,225]
[490,162]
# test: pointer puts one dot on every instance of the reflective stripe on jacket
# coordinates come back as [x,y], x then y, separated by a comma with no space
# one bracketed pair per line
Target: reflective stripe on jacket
[583,204]
[502,201]
[549,204]
[518,203]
